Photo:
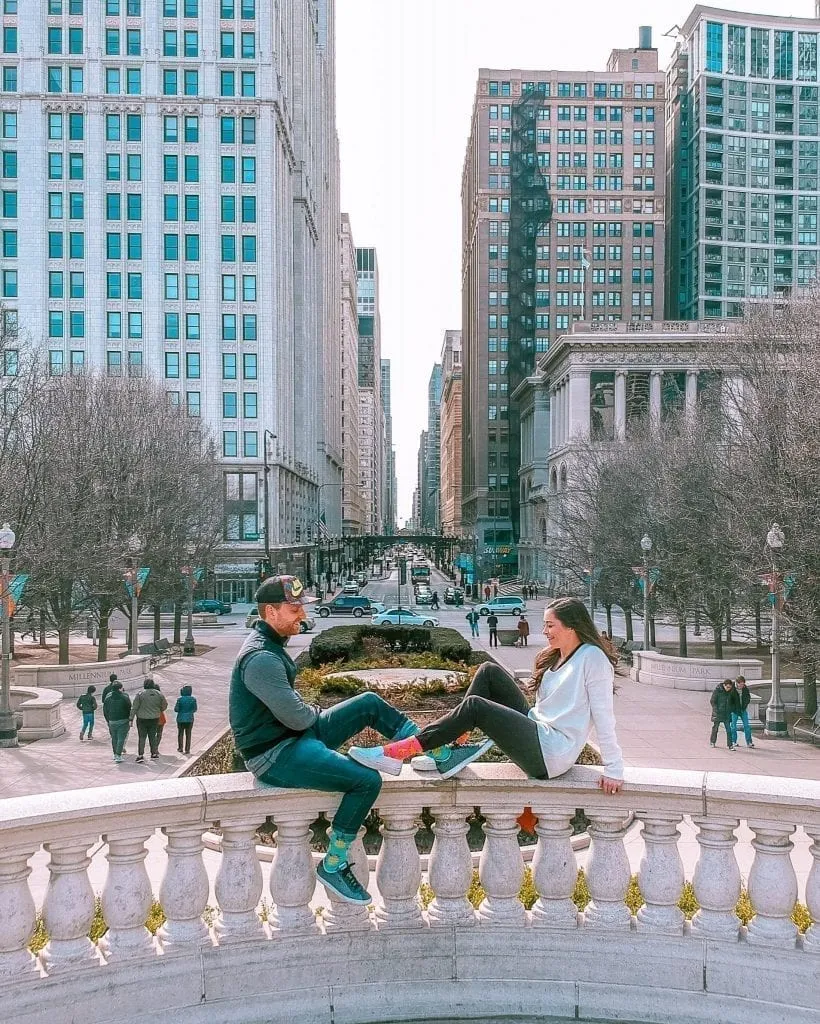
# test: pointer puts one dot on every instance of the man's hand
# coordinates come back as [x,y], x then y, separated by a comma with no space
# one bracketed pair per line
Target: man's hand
[610,785]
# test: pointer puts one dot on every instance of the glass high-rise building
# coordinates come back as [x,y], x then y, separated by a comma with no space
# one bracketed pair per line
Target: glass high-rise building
[742,157]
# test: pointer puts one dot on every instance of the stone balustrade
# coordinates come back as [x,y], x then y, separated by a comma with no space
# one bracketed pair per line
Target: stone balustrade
[215,959]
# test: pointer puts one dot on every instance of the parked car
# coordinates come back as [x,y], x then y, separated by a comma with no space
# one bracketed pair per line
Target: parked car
[361,578]
[212,605]
[453,595]
[403,617]
[305,626]
[350,587]
[345,604]
[503,606]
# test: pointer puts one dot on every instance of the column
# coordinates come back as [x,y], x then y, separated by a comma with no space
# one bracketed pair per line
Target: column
[811,940]
[398,873]
[772,886]
[661,876]
[553,411]
[579,414]
[238,884]
[127,897]
[351,917]
[608,874]
[620,405]
[68,907]
[292,879]
[691,399]
[655,378]
[716,880]
[18,916]
[501,870]
[184,891]
[450,871]
[554,871]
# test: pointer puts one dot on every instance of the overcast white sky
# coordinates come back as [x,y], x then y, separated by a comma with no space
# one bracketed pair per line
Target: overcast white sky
[407,71]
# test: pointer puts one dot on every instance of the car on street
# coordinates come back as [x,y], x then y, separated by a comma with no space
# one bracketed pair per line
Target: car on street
[305,626]
[344,604]
[377,607]
[453,595]
[350,587]
[503,606]
[212,605]
[361,578]
[424,595]
[403,617]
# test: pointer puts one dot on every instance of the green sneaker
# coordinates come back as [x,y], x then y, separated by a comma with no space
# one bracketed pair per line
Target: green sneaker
[344,884]
[459,758]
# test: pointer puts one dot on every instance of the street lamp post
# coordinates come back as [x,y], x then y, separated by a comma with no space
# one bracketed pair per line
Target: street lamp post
[189,644]
[267,436]
[590,552]
[646,547]
[8,722]
[132,576]
[775,710]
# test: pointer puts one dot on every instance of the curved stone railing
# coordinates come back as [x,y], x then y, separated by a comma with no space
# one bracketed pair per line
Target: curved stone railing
[395,961]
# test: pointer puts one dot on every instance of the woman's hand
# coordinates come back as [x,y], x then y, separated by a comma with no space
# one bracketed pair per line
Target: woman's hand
[610,785]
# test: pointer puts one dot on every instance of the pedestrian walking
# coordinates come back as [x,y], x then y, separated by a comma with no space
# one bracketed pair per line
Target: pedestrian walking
[286,742]
[116,707]
[724,701]
[741,712]
[573,690]
[492,626]
[535,591]
[523,630]
[185,709]
[87,703]
[146,709]
[487,592]
[495,590]
[434,601]
[112,679]
[473,618]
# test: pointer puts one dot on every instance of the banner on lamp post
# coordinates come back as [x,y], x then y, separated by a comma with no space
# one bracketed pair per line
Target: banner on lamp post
[132,585]
[17,585]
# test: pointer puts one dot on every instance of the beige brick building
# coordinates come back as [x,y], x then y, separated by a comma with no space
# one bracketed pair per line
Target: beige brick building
[451,440]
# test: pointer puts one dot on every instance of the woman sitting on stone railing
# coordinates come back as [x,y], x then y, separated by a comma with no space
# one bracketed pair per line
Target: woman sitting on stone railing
[573,686]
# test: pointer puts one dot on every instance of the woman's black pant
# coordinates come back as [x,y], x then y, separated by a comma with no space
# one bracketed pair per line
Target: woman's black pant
[184,735]
[494,704]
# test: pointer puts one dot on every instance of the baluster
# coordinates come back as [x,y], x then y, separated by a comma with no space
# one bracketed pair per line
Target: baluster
[501,870]
[661,875]
[18,916]
[811,940]
[127,897]
[68,907]
[608,873]
[554,871]
[350,917]
[450,871]
[292,879]
[183,892]
[772,886]
[398,873]
[238,884]
[716,880]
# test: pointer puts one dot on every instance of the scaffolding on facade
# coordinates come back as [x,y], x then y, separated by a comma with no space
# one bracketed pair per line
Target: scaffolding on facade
[530,210]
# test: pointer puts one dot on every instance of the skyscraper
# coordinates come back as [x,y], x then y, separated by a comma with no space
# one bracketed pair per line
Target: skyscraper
[742,124]
[389,459]
[562,198]
[450,430]
[353,508]
[371,414]
[431,457]
[170,175]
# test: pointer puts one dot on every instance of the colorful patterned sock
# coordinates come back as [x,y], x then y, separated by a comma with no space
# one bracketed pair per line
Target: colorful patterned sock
[402,749]
[338,845]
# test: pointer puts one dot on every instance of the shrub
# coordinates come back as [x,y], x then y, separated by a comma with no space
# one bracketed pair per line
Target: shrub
[345,643]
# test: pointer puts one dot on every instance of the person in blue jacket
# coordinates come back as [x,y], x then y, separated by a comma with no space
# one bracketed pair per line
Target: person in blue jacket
[185,709]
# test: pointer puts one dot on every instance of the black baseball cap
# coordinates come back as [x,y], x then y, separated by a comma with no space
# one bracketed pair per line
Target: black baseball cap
[281,590]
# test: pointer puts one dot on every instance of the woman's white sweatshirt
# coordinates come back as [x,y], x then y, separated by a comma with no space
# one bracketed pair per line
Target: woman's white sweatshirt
[570,700]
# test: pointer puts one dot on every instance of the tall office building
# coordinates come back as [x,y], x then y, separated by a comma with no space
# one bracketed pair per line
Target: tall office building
[450,430]
[352,507]
[371,414]
[170,185]
[389,458]
[742,128]
[562,197]
[431,492]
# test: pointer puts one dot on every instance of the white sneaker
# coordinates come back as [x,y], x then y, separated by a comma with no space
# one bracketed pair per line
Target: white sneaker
[379,762]
[423,763]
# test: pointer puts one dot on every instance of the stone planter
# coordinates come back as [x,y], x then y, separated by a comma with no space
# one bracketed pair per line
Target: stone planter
[38,713]
[507,637]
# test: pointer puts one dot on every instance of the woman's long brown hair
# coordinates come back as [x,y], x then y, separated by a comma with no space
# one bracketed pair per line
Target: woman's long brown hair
[573,614]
